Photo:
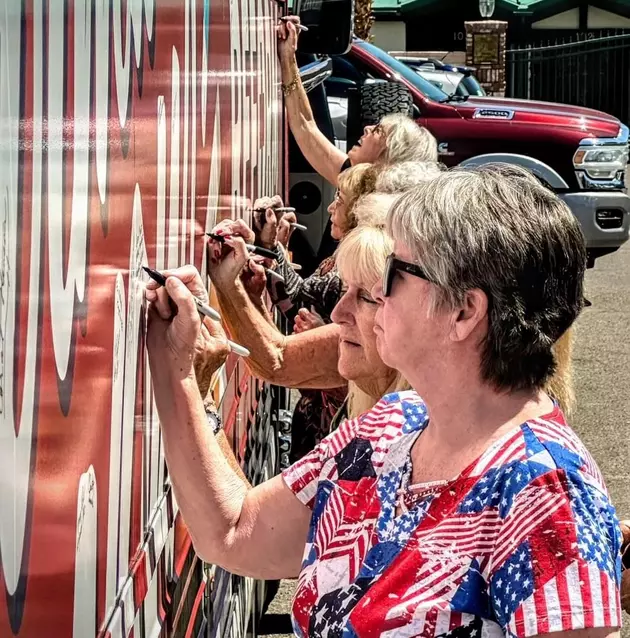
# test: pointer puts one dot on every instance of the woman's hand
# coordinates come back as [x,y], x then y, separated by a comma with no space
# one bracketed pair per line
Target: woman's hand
[254,280]
[285,230]
[266,222]
[229,227]
[227,261]
[190,340]
[173,321]
[211,351]
[307,320]
[287,38]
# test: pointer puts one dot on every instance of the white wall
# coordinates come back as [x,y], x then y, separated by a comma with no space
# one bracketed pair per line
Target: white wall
[566,20]
[600,19]
[390,36]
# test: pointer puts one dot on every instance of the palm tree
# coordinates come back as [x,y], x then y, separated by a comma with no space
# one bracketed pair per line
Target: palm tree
[363,18]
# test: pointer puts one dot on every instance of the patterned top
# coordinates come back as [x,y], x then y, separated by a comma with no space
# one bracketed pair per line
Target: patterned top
[523,542]
[322,290]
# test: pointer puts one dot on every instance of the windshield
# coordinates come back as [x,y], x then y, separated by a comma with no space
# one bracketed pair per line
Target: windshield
[424,86]
[473,86]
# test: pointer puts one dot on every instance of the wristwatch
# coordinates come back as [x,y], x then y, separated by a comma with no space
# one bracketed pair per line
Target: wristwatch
[214,419]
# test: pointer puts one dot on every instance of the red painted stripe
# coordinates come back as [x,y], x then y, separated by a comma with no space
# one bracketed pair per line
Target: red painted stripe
[140,584]
[195,610]
[181,559]
[456,620]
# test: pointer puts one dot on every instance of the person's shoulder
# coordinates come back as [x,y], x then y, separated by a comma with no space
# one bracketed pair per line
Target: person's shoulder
[397,413]
[550,439]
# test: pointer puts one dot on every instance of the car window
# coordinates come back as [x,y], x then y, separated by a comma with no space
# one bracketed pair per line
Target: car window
[472,86]
[461,89]
[424,86]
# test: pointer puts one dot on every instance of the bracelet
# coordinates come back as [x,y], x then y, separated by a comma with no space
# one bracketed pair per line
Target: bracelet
[287,89]
[213,417]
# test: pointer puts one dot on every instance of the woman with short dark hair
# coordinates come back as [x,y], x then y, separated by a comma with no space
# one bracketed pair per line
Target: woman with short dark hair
[474,510]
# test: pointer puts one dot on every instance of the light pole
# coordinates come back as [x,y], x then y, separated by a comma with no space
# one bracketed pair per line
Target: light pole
[486,8]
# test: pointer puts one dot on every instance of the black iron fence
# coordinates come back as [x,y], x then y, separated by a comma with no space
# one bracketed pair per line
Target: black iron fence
[591,70]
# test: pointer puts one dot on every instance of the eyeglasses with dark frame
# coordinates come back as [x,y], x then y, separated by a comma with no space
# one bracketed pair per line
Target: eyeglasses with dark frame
[393,265]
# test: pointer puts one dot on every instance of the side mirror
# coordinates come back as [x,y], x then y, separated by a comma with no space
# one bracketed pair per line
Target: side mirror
[329,23]
[314,73]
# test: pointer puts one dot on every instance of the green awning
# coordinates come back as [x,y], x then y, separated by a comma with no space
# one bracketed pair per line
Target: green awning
[382,7]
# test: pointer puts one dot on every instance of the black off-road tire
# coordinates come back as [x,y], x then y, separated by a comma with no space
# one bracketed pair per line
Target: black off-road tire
[373,101]
[384,98]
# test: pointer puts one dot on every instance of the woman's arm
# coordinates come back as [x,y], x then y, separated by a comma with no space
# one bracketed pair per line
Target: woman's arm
[259,532]
[320,153]
[307,360]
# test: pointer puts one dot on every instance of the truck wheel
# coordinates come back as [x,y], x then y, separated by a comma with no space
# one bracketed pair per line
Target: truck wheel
[384,98]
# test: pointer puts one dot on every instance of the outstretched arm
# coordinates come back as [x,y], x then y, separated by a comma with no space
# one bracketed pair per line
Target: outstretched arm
[320,152]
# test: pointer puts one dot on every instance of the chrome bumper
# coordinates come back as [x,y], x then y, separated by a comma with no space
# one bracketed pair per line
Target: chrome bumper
[585,206]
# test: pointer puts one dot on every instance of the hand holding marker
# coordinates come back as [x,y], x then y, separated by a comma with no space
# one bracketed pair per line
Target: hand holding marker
[282,210]
[203,309]
[256,250]
[298,26]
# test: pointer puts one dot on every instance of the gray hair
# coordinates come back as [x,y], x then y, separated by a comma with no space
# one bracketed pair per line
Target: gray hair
[372,209]
[497,229]
[406,141]
[399,178]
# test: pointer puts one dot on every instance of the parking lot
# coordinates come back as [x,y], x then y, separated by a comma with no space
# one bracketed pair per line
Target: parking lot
[602,382]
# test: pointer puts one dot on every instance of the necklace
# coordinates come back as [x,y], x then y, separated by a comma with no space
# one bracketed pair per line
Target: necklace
[408,496]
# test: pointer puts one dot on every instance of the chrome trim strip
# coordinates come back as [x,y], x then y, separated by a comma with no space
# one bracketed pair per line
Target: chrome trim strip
[620,140]
[589,184]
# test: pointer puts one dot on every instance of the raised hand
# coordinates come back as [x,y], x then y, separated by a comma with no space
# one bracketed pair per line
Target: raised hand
[287,38]
[307,320]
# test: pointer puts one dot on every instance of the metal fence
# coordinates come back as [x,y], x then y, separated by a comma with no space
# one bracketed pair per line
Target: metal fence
[591,70]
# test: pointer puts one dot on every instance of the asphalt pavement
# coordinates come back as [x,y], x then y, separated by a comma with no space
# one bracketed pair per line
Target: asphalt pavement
[602,383]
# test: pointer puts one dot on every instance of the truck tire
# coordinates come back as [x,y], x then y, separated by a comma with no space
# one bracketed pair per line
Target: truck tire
[368,104]
[384,98]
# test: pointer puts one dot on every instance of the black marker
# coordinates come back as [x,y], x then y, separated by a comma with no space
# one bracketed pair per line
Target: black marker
[203,309]
[256,250]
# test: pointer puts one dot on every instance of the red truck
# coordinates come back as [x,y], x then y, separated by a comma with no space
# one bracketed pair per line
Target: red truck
[579,153]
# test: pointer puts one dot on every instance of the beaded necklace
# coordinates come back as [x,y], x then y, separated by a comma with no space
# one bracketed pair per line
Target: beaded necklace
[408,496]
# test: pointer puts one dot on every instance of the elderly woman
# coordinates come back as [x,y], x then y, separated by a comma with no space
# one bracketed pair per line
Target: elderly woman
[473,509]
[316,297]
[395,139]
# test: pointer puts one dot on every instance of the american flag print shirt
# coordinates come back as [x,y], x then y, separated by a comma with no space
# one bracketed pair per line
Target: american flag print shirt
[524,542]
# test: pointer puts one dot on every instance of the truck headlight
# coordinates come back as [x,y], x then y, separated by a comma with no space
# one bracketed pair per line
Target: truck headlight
[602,162]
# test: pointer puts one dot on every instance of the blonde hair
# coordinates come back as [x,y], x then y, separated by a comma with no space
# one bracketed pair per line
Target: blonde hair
[372,209]
[355,182]
[399,178]
[560,385]
[406,141]
[360,258]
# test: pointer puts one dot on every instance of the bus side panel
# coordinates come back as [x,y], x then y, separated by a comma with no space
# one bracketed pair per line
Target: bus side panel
[129,127]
